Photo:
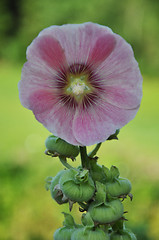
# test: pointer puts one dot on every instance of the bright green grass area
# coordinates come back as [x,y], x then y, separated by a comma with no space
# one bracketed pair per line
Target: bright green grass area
[27,211]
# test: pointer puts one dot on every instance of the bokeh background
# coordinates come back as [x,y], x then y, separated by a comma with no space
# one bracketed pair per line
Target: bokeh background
[27,211]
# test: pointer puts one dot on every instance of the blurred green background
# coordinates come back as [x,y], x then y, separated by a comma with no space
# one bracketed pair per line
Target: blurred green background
[27,211]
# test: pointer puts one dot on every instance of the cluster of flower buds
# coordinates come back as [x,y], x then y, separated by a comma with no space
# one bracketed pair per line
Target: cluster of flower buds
[88,231]
[99,191]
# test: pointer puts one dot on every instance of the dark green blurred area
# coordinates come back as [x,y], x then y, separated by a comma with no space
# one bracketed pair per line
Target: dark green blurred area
[27,211]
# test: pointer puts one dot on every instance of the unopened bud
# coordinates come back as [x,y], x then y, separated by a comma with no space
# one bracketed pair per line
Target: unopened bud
[58,146]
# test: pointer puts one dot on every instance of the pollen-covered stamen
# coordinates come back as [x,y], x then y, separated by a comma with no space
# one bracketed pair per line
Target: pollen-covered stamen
[78,88]
[77,85]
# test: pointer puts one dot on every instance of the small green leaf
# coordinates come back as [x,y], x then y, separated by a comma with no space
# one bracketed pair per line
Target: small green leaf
[107,173]
[114,172]
[69,221]
[101,193]
[90,181]
[87,220]
[118,225]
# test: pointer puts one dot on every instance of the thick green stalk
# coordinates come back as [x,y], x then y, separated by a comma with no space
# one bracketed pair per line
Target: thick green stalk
[84,157]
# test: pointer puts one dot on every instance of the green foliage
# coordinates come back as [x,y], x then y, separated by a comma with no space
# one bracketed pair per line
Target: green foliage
[136,21]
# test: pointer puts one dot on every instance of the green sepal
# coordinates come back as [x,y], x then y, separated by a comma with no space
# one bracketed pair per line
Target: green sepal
[118,225]
[100,196]
[114,172]
[69,220]
[110,174]
[87,220]
[48,181]
[96,171]
[78,176]
[107,173]
[130,234]
[114,136]
[90,181]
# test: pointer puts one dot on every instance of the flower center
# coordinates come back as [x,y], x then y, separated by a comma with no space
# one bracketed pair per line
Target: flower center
[78,85]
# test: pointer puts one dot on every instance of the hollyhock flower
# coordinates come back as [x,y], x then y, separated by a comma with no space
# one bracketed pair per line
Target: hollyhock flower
[81,81]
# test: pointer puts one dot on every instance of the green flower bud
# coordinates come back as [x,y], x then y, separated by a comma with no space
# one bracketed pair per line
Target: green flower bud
[77,185]
[106,212]
[63,233]
[119,187]
[69,226]
[89,234]
[58,145]
[124,235]
[55,190]
[132,235]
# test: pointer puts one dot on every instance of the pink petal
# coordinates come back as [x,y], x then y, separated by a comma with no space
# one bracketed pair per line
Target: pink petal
[98,123]
[52,114]
[120,77]
[122,97]
[129,78]
[35,77]
[120,68]
[78,40]
[42,101]
[102,49]
[90,128]
[119,116]
[59,120]
[47,49]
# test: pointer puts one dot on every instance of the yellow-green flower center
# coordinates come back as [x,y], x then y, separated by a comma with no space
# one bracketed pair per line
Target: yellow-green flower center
[78,86]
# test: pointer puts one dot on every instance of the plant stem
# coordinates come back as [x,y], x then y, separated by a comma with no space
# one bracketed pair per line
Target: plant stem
[84,157]
[64,162]
[95,150]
